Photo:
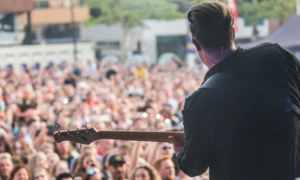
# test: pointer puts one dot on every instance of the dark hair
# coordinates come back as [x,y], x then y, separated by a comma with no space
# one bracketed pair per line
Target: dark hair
[64,175]
[105,156]
[25,157]
[211,24]
[31,121]
[7,145]
[16,160]
[16,169]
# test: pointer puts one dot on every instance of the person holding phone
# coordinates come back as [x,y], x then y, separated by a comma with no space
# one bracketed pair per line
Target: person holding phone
[27,108]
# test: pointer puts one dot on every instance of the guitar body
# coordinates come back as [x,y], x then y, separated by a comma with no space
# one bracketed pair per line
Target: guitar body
[89,135]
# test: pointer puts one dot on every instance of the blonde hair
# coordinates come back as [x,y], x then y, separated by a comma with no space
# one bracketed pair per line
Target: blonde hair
[55,166]
[79,169]
[40,169]
[52,154]
[32,162]
[151,171]
[5,155]
[45,146]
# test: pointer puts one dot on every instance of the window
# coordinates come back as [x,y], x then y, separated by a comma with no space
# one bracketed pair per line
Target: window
[41,4]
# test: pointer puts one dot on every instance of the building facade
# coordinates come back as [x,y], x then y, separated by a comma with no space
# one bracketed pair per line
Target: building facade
[158,37]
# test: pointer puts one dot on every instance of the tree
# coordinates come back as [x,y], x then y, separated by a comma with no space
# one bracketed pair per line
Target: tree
[131,13]
[254,11]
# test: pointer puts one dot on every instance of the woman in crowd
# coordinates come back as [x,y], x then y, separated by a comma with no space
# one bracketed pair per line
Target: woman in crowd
[86,161]
[5,146]
[41,174]
[20,146]
[59,168]
[64,150]
[47,148]
[20,172]
[52,159]
[145,173]
[38,160]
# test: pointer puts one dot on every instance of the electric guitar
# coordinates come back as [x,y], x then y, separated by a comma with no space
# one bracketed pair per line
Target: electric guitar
[88,135]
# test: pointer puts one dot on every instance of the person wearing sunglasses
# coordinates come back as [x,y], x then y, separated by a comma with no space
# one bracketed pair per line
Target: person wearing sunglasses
[93,174]
[165,149]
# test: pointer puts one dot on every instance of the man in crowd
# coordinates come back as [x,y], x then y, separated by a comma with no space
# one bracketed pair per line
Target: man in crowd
[6,166]
[117,167]
[165,168]
[104,145]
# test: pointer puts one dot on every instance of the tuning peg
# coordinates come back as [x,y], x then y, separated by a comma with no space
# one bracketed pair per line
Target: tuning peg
[77,129]
[85,124]
[68,128]
[57,128]
[80,146]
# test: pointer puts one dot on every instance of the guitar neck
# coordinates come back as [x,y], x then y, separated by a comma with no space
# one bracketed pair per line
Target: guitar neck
[155,136]
[87,136]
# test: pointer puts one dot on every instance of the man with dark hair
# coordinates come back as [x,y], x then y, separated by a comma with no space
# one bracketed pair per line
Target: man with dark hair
[64,176]
[117,167]
[243,122]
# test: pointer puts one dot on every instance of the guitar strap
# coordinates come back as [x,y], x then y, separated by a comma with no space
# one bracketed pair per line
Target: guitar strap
[250,91]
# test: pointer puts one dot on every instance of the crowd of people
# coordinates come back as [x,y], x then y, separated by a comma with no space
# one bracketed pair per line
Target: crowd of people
[36,101]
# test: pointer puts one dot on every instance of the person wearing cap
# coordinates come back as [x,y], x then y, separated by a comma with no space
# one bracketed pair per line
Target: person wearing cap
[117,167]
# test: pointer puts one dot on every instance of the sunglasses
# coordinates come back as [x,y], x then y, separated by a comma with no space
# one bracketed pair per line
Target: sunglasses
[166,147]
[93,171]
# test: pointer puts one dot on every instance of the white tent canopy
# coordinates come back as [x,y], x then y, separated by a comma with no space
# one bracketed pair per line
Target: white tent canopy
[138,59]
[166,57]
[109,59]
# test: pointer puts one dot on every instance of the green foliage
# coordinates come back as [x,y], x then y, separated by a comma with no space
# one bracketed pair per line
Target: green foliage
[253,11]
[131,12]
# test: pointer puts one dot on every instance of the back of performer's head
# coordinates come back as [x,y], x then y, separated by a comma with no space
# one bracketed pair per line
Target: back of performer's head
[211,25]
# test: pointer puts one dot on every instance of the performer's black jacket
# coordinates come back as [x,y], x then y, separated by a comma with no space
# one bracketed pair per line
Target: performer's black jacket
[239,139]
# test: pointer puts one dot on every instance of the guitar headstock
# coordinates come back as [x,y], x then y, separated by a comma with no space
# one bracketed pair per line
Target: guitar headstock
[82,135]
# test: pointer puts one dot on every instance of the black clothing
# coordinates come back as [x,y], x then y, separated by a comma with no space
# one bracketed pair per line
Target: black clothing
[70,81]
[240,139]
[24,106]
[110,72]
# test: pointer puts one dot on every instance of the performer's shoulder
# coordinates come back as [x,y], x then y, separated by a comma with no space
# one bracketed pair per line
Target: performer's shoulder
[272,52]
[265,47]
[189,100]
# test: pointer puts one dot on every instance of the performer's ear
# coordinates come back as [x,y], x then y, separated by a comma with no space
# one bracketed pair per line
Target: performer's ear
[197,45]
[233,34]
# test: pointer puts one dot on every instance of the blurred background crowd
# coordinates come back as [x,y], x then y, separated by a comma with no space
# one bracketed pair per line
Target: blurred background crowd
[138,90]
[110,97]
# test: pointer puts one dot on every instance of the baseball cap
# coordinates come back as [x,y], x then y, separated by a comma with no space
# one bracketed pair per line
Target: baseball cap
[118,158]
